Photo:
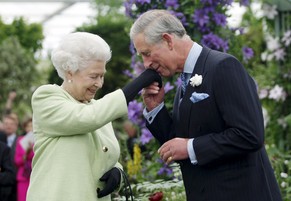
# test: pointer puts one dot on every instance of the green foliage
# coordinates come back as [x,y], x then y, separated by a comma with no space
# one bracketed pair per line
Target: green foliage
[30,36]
[19,42]
[18,71]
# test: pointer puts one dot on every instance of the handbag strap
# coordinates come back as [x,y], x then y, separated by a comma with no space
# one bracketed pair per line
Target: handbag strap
[127,187]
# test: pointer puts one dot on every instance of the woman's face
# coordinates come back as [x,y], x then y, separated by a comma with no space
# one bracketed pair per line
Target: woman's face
[85,83]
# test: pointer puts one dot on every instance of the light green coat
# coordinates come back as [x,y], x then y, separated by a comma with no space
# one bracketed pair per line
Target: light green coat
[70,136]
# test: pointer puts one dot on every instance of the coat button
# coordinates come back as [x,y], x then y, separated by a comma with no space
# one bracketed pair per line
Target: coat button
[105,149]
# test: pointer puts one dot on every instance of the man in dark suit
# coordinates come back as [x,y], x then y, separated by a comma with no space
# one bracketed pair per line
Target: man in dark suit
[7,173]
[10,124]
[216,131]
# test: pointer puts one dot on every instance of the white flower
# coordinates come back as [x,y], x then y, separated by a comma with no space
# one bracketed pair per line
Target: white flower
[273,43]
[196,80]
[287,38]
[283,184]
[284,175]
[270,11]
[277,93]
[280,54]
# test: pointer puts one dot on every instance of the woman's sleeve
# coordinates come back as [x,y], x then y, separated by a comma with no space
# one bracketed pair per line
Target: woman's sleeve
[59,115]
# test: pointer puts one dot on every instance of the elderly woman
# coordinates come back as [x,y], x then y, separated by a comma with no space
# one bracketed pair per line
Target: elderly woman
[76,151]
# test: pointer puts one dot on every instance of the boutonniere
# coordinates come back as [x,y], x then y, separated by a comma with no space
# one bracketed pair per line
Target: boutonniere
[196,80]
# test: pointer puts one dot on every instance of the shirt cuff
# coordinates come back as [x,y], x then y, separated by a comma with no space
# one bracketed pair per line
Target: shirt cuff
[191,152]
[150,116]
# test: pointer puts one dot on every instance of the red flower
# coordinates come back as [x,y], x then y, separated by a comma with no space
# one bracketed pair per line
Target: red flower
[156,196]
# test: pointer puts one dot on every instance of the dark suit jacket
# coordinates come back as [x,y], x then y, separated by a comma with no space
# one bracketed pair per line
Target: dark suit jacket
[7,173]
[229,134]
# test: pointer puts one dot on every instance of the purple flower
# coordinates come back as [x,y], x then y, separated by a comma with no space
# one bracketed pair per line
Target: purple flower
[165,170]
[248,53]
[143,1]
[215,42]
[146,136]
[244,2]
[138,68]
[200,17]
[128,73]
[128,8]
[168,87]
[226,2]
[178,81]
[135,112]
[210,2]
[172,3]
[219,19]
[181,17]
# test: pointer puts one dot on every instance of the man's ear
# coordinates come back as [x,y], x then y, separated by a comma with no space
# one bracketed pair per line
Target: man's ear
[168,38]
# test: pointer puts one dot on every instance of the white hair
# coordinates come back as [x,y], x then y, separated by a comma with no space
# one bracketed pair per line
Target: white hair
[154,23]
[76,50]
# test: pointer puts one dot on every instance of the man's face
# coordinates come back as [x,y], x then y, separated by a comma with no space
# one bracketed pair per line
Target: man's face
[159,57]
[10,126]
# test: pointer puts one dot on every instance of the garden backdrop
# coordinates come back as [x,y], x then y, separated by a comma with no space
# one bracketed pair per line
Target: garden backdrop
[261,42]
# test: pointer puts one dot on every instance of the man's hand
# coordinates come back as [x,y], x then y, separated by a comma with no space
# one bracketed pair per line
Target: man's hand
[174,149]
[153,95]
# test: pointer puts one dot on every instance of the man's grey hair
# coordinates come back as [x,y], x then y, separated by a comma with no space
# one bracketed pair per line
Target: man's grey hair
[76,50]
[154,23]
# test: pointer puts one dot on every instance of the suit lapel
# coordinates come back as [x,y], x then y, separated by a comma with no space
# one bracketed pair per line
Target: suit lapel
[185,106]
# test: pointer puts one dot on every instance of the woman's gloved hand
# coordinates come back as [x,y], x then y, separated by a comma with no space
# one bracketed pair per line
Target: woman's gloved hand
[143,80]
[112,180]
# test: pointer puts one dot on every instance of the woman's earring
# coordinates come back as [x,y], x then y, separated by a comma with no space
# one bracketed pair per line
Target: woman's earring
[69,81]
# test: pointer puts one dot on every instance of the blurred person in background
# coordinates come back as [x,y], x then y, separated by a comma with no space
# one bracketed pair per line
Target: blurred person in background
[7,110]
[9,103]
[7,173]
[76,151]
[10,124]
[23,159]
[2,133]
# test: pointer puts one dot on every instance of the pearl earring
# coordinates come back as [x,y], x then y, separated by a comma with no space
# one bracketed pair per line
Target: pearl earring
[69,81]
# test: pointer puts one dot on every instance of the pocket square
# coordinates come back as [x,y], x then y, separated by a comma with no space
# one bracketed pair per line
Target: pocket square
[196,97]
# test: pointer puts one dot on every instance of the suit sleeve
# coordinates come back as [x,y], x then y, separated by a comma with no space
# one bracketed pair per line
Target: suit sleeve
[238,104]
[161,127]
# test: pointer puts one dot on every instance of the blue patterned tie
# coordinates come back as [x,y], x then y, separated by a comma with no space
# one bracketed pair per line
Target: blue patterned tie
[184,79]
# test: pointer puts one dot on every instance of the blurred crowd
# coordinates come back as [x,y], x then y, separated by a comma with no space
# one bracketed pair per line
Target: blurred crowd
[16,153]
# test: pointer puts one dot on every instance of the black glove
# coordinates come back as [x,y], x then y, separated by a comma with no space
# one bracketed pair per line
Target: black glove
[143,80]
[112,180]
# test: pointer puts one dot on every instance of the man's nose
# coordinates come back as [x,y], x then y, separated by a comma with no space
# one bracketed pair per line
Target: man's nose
[147,62]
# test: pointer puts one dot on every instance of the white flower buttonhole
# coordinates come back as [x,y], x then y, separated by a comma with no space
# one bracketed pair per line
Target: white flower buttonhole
[196,80]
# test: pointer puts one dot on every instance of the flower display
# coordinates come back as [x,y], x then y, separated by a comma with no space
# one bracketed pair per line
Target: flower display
[196,80]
